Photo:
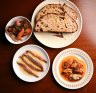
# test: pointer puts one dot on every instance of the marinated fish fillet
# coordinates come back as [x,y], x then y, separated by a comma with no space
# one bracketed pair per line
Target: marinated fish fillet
[36,59]
[35,62]
[29,64]
[37,56]
[27,69]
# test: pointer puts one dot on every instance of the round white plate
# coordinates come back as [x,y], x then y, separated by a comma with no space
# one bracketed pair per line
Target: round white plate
[81,55]
[11,22]
[48,39]
[23,76]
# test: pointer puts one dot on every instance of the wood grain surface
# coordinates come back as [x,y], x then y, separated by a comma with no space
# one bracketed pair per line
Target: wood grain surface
[9,82]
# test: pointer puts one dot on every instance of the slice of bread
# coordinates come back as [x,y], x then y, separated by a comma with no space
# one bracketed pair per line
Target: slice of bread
[72,13]
[50,8]
[56,23]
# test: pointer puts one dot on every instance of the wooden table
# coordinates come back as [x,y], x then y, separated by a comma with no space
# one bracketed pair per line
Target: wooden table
[9,82]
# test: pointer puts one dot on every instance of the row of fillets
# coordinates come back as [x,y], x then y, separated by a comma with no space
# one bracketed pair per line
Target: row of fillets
[31,63]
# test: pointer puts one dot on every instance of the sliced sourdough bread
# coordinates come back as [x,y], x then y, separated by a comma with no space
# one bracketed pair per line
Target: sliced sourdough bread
[50,8]
[56,23]
[72,13]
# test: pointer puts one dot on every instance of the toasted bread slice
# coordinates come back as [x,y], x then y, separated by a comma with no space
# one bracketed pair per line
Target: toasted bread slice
[50,8]
[56,23]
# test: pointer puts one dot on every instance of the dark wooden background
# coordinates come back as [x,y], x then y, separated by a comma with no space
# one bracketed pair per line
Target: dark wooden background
[9,82]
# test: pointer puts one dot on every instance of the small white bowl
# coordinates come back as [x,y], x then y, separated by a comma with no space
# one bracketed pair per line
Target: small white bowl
[11,22]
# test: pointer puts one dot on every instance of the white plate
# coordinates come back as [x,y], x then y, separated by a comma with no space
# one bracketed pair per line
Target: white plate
[48,39]
[23,76]
[11,22]
[81,55]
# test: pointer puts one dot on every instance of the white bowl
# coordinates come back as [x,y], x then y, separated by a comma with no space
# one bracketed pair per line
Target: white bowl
[25,38]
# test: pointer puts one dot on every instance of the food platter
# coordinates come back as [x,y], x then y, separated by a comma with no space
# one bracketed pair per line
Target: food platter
[48,39]
[25,76]
[55,24]
[82,56]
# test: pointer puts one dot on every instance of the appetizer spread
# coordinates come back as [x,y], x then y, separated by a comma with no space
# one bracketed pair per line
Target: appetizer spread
[19,29]
[56,18]
[72,69]
[32,63]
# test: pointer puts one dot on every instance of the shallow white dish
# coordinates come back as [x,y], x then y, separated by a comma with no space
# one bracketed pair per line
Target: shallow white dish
[11,22]
[48,39]
[81,55]
[23,76]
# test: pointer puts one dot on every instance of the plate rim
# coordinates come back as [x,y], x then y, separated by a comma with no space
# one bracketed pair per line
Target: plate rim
[43,51]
